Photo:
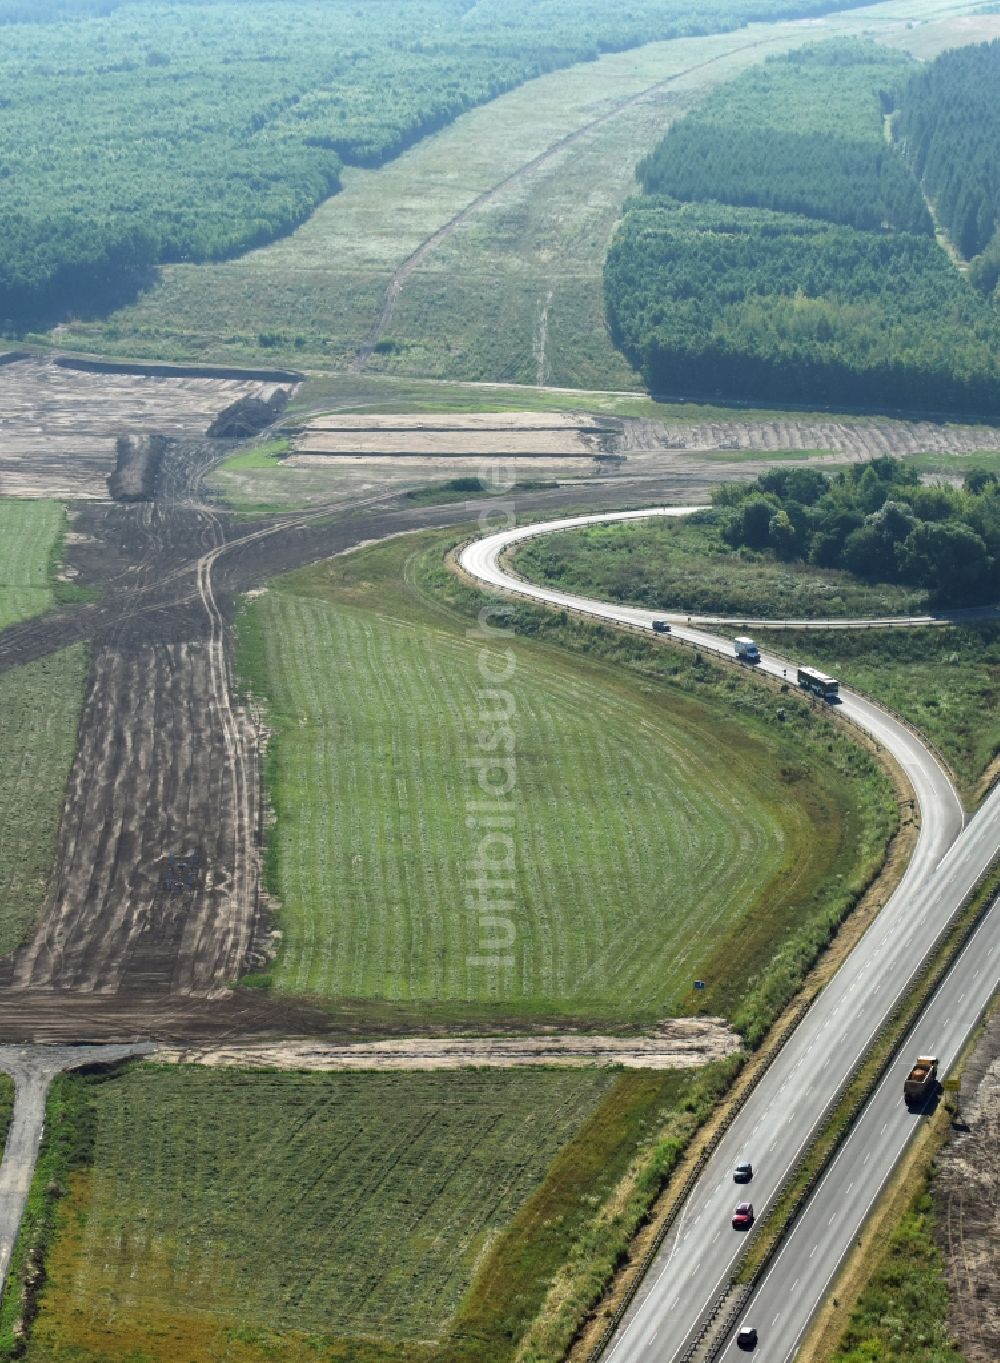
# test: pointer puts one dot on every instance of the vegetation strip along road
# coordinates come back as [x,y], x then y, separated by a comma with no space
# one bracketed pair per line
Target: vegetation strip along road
[893,947]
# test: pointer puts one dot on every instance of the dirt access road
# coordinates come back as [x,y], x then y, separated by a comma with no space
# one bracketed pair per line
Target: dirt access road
[154,907]
[33,1068]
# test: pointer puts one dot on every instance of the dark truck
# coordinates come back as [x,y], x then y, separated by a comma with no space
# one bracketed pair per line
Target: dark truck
[921,1080]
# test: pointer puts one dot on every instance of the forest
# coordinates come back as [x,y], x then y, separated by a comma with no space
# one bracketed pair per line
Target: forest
[139,131]
[948,130]
[802,134]
[745,303]
[848,300]
[878,521]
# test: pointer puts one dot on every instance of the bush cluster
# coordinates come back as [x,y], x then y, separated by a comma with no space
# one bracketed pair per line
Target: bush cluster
[878,521]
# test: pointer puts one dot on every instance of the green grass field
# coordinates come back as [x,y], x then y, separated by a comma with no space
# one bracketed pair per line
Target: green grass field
[685,565]
[29,534]
[39,710]
[258,1215]
[944,680]
[650,823]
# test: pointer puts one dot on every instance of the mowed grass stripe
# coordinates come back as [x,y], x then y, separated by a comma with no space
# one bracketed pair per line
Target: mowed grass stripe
[640,837]
[39,711]
[29,530]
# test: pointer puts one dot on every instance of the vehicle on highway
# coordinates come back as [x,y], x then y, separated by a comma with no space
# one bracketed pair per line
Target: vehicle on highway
[746,650]
[661,627]
[921,1080]
[746,1337]
[743,1216]
[743,1172]
[827,688]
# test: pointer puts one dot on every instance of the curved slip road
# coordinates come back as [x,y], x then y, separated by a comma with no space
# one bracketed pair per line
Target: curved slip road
[776,1122]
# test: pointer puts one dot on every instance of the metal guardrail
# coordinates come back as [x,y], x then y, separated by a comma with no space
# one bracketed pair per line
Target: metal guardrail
[691,1179]
[920,976]
[710,1319]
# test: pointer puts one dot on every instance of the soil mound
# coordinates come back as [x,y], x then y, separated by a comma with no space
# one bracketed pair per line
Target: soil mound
[247,416]
[134,478]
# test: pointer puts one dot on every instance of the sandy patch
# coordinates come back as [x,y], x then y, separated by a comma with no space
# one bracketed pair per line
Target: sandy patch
[682,1043]
[58,426]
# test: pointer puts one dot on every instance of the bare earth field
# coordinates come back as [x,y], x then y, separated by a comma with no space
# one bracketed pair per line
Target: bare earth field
[967,1193]
[340,457]
[508,433]
[679,1043]
[58,426]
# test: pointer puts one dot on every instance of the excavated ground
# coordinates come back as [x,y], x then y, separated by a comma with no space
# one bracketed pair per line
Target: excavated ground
[154,907]
[967,1194]
[58,425]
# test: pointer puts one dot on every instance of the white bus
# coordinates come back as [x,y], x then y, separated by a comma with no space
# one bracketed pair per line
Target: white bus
[827,688]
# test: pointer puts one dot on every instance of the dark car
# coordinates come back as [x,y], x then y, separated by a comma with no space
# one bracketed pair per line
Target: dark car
[746,1337]
[743,1172]
[743,1216]
[661,627]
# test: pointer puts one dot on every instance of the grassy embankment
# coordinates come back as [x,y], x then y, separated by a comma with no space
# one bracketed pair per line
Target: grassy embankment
[945,680]
[901,1316]
[39,708]
[658,807]
[370,1217]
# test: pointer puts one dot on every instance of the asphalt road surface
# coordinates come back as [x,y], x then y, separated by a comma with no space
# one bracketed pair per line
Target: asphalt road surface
[697,1258]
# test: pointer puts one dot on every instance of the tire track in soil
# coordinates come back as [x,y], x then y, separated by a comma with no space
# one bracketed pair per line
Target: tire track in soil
[166,764]
[446,230]
[165,769]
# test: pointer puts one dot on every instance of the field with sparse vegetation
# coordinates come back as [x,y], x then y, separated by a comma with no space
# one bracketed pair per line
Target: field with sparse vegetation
[251,1215]
[625,794]
[313,296]
[686,565]
[512,292]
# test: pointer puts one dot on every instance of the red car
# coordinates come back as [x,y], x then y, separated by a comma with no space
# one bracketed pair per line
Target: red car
[743,1216]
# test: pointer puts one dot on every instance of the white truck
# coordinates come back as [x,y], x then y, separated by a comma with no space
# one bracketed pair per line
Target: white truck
[746,649]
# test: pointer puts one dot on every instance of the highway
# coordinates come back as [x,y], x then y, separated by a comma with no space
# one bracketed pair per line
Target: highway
[697,1258]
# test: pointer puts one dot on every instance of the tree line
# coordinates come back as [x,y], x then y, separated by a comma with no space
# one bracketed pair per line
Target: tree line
[948,129]
[736,302]
[849,301]
[802,134]
[878,521]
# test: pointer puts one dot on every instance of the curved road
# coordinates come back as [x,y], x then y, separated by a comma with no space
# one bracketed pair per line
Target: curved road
[697,1259]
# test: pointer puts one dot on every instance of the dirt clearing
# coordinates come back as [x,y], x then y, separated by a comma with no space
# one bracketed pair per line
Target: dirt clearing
[58,426]
[513,433]
[680,1043]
